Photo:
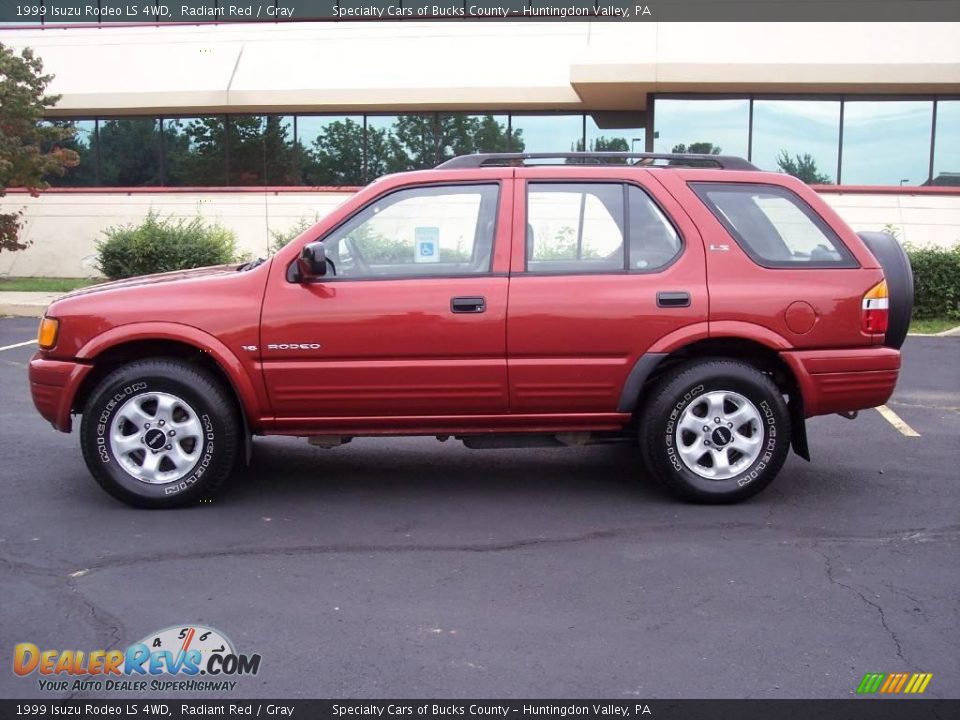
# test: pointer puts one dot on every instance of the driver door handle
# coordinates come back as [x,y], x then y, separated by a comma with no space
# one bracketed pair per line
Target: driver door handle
[468,304]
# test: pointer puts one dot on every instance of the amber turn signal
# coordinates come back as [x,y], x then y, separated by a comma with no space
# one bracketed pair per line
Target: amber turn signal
[48,332]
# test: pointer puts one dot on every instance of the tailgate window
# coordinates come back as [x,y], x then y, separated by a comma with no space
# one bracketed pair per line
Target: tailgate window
[774,226]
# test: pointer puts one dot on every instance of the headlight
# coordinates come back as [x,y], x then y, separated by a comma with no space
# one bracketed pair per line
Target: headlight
[48,332]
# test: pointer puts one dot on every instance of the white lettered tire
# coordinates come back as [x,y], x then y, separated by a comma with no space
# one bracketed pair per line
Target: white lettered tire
[160,433]
[715,431]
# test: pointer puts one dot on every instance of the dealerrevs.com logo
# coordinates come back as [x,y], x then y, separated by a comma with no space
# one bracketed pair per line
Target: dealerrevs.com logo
[180,657]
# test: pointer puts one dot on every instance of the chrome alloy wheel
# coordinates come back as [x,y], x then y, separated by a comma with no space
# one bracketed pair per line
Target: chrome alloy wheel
[719,435]
[156,437]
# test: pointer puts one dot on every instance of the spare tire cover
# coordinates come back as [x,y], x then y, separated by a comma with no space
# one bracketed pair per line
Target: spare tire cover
[899,275]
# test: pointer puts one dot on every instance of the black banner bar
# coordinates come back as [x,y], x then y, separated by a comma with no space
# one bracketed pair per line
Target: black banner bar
[853,709]
[60,12]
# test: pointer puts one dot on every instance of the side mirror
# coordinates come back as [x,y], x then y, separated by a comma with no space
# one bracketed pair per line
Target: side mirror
[312,262]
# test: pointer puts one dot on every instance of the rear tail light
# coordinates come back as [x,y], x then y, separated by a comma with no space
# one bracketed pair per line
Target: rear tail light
[875,315]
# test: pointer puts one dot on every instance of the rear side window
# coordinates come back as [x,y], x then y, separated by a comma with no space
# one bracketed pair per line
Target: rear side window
[575,228]
[654,242]
[774,226]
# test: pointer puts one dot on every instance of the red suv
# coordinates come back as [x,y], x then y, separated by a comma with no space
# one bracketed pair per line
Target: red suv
[692,303]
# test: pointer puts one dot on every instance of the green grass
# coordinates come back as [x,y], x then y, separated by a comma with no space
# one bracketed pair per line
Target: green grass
[44,284]
[934,325]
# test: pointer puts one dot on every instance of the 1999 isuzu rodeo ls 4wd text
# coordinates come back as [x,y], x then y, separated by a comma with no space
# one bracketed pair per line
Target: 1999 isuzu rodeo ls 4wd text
[691,303]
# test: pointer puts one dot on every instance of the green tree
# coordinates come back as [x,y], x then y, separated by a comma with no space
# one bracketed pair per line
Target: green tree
[803,167]
[413,142]
[80,141]
[490,135]
[30,150]
[417,141]
[335,157]
[381,154]
[261,151]
[605,144]
[129,152]
[698,148]
[196,151]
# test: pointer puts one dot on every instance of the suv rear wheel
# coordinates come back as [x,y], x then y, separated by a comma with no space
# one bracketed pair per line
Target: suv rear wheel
[160,433]
[715,431]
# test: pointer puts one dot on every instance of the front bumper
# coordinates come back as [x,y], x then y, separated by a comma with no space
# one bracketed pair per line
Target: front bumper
[53,386]
[833,381]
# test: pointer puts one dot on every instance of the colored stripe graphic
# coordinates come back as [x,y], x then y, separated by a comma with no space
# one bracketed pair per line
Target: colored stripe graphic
[894,683]
[871,682]
[900,684]
[890,682]
[922,680]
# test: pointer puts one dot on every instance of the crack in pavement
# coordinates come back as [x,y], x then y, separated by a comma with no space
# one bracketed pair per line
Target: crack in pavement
[828,562]
[107,628]
[798,537]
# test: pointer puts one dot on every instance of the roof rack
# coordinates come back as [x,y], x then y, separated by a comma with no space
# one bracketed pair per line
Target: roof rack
[723,162]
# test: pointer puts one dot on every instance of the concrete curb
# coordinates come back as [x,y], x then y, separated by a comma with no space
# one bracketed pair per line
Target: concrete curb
[951,332]
[25,304]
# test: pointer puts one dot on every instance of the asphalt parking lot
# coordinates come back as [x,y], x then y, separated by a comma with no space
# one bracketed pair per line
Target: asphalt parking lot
[410,568]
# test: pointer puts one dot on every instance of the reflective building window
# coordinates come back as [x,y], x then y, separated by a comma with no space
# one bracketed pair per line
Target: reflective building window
[83,143]
[396,143]
[946,155]
[798,137]
[547,133]
[614,136]
[719,127]
[886,142]
[462,134]
[330,149]
[129,152]
[195,151]
[261,150]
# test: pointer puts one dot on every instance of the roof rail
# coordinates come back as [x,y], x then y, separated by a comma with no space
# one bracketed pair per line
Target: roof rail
[723,162]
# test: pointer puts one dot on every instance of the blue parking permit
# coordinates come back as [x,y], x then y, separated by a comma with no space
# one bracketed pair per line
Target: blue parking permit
[426,244]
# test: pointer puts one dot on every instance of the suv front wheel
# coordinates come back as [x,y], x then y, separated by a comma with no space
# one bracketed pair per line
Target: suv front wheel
[160,433]
[715,431]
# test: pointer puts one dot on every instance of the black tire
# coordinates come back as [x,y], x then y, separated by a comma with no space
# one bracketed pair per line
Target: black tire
[687,386]
[218,427]
[899,276]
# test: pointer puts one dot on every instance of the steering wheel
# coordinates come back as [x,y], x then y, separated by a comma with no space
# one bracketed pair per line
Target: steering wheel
[357,256]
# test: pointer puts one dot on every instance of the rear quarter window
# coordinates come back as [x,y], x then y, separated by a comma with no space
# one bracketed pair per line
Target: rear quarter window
[774,226]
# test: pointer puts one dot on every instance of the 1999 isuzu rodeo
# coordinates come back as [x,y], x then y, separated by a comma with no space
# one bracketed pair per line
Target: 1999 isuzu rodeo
[691,303]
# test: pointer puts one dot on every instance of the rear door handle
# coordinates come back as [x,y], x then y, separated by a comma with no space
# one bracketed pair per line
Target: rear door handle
[673,299]
[468,304]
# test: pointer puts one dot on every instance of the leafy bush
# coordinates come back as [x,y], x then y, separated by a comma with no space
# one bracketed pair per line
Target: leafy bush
[936,279]
[164,244]
[282,238]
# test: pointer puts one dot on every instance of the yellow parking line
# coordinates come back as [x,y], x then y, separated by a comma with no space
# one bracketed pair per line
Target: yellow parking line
[891,417]
[16,345]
